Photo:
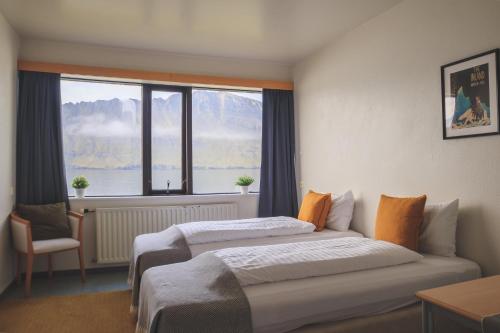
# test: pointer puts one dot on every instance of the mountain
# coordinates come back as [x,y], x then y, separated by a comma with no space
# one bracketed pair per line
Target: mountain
[462,104]
[107,133]
[464,115]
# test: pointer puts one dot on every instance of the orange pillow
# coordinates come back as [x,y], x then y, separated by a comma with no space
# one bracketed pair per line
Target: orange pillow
[399,220]
[315,208]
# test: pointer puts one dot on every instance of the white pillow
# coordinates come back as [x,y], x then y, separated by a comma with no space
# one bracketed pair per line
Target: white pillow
[438,233]
[340,215]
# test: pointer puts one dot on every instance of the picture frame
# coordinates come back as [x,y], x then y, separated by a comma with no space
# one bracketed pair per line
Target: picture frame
[470,96]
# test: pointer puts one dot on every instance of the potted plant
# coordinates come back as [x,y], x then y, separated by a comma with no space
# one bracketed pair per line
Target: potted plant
[243,182]
[80,183]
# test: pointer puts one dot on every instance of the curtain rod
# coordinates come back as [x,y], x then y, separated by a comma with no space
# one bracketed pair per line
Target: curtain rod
[47,67]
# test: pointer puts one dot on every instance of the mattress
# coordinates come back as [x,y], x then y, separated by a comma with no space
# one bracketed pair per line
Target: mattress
[197,249]
[287,305]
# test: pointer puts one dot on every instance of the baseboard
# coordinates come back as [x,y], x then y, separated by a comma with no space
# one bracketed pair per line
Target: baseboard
[87,270]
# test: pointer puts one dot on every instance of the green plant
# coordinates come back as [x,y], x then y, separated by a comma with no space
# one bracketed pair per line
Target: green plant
[245,181]
[80,182]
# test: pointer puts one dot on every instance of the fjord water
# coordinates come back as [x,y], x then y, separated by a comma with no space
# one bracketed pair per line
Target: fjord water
[110,182]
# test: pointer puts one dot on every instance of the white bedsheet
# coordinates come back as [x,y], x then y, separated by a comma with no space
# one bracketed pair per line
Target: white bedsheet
[218,231]
[280,262]
[197,249]
[283,306]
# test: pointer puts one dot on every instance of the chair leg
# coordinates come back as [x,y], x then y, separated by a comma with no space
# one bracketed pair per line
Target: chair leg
[18,268]
[29,270]
[82,263]
[49,265]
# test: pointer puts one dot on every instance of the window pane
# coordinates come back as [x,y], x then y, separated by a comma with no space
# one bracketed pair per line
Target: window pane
[102,136]
[166,140]
[227,136]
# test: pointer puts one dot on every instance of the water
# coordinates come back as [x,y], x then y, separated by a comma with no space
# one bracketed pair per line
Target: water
[113,182]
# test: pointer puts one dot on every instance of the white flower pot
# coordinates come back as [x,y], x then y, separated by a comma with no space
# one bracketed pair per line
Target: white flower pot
[80,192]
[244,189]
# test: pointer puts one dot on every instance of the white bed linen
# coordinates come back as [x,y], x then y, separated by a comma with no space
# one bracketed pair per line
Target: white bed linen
[283,306]
[197,249]
[219,231]
[281,262]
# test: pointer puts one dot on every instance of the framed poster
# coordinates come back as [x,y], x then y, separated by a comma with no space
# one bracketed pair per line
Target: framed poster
[469,89]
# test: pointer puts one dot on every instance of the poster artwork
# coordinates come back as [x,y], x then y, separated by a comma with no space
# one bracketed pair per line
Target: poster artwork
[471,90]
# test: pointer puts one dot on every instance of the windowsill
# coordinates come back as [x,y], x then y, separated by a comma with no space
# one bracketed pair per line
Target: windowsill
[166,197]
[175,200]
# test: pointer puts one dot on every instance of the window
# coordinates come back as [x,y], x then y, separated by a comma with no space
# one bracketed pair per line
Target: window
[165,112]
[142,139]
[102,136]
[227,135]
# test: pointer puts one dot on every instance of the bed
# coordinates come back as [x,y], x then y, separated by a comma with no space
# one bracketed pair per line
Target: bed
[284,305]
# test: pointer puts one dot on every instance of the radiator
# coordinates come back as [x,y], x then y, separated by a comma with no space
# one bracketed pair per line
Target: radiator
[116,228]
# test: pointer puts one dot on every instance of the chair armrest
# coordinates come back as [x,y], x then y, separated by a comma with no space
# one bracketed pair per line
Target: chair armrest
[76,224]
[21,233]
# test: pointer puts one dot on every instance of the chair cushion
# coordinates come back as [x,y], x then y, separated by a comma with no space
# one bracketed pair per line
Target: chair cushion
[47,221]
[53,245]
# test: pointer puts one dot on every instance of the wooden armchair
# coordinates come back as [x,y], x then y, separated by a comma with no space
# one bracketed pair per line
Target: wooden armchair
[24,245]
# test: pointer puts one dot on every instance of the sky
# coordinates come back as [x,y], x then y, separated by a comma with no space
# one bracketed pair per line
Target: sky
[86,91]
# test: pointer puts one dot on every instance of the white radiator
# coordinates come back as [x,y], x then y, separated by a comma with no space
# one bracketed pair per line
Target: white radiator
[117,227]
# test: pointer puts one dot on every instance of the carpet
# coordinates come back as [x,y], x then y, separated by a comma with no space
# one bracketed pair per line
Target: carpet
[90,313]
[109,312]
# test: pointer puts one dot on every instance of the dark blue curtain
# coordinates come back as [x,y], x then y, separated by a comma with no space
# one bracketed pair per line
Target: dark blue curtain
[40,175]
[278,191]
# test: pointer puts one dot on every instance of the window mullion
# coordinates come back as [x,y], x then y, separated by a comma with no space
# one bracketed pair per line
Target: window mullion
[189,142]
[146,140]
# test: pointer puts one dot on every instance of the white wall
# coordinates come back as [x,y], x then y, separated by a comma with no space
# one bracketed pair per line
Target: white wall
[8,82]
[247,208]
[369,109]
[91,55]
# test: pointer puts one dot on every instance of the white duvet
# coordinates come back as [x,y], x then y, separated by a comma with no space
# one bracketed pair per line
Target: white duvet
[273,263]
[219,231]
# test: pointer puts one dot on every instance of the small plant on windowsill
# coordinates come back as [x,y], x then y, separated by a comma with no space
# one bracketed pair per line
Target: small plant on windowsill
[243,182]
[80,183]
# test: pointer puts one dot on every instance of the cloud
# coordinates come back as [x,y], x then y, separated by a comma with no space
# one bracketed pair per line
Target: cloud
[109,129]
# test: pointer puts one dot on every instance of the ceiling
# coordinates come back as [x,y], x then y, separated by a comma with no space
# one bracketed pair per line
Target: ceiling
[271,30]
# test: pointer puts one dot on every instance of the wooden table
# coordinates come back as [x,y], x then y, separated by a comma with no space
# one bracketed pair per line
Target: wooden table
[467,302]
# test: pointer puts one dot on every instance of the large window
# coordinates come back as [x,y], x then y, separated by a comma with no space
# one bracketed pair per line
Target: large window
[141,139]
[102,136]
[227,134]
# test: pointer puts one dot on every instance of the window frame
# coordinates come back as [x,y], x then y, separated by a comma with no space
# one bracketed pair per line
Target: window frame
[191,137]
[146,131]
[105,81]
[147,173]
